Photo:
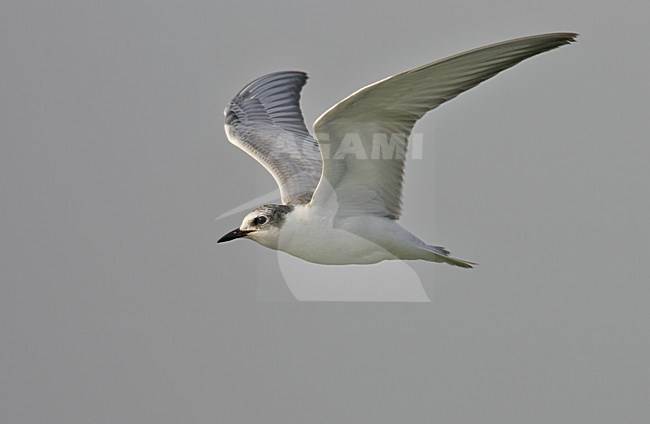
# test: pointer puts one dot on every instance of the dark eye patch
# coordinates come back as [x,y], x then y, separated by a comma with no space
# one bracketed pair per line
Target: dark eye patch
[259,220]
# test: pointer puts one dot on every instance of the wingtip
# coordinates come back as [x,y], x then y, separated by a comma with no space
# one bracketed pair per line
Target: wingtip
[262,83]
[571,37]
[566,37]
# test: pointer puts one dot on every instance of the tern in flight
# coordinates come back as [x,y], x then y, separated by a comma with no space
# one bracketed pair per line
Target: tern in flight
[341,190]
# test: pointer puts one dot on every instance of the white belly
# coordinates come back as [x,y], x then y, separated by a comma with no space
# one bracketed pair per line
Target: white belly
[316,239]
[333,247]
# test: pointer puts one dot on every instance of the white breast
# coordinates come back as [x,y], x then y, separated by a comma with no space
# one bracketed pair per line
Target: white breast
[320,238]
[316,238]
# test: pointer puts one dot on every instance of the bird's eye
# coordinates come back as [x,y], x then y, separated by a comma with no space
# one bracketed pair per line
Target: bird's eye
[259,220]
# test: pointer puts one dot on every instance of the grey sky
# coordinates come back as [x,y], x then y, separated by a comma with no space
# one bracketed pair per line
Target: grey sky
[118,306]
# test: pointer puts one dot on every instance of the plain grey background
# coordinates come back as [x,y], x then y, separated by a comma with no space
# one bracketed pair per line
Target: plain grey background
[117,305]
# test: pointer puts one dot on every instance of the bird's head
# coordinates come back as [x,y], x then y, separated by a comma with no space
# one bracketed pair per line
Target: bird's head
[262,225]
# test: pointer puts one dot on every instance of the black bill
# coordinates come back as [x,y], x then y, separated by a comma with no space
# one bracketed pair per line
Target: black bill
[234,234]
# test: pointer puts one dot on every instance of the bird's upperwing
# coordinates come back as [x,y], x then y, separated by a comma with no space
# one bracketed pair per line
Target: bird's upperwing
[363,137]
[265,121]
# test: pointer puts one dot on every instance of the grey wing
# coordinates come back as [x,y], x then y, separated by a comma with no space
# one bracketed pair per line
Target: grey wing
[383,114]
[265,121]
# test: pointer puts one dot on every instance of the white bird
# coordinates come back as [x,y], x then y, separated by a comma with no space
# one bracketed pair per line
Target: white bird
[341,191]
